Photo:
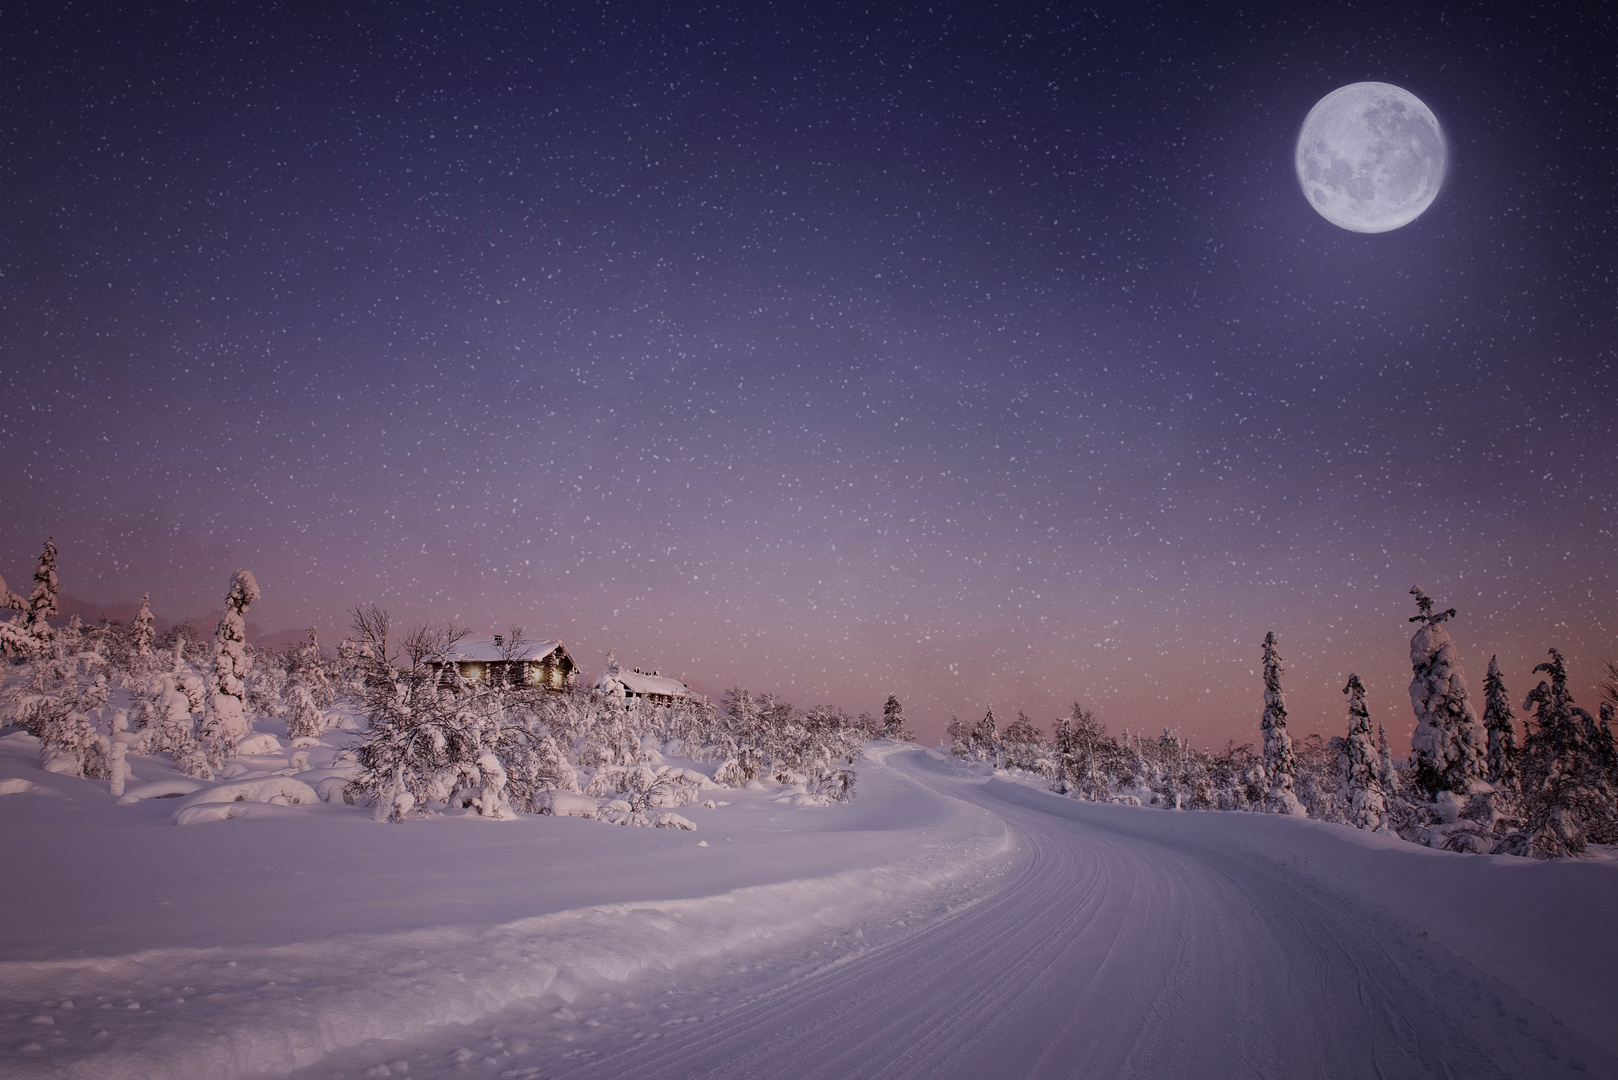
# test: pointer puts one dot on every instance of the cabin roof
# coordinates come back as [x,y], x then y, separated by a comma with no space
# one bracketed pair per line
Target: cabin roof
[484,650]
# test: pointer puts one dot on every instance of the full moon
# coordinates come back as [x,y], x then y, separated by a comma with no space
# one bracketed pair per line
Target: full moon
[1371,157]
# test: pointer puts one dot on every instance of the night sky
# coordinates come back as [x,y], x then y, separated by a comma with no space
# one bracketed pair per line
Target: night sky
[984,354]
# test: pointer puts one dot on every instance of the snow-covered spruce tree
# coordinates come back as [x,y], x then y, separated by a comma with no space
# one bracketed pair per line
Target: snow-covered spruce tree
[42,603]
[1318,782]
[960,738]
[304,718]
[824,741]
[14,640]
[1362,788]
[1567,801]
[166,709]
[1062,754]
[141,635]
[1500,760]
[986,740]
[1024,745]
[305,686]
[612,739]
[893,721]
[1447,748]
[742,723]
[225,723]
[1237,775]
[1280,769]
[70,737]
[1387,775]
[1088,761]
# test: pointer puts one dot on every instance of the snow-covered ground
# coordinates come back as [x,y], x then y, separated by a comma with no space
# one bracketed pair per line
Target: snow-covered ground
[944,923]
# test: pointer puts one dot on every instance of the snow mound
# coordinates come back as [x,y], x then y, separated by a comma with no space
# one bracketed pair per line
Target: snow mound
[259,743]
[15,786]
[219,803]
[670,820]
[567,804]
[157,789]
[231,811]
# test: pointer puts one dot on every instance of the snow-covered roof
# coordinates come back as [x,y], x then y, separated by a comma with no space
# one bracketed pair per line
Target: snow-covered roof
[484,650]
[637,683]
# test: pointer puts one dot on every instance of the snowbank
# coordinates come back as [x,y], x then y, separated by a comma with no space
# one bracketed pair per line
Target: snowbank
[195,992]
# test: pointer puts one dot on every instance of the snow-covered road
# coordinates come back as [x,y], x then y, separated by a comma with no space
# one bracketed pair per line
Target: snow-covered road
[1108,951]
[946,924]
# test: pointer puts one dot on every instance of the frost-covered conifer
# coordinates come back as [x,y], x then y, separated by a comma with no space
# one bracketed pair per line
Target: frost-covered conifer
[304,718]
[1024,745]
[1447,748]
[1386,775]
[14,638]
[166,721]
[226,722]
[893,721]
[42,604]
[1567,799]
[70,738]
[140,631]
[1280,769]
[1362,787]
[1084,756]
[1500,761]
[986,740]
[960,738]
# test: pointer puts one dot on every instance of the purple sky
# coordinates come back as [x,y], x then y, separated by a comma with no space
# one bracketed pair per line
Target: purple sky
[983,355]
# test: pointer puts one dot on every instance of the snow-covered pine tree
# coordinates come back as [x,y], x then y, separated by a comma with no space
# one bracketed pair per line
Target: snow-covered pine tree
[141,635]
[893,721]
[1500,760]
[1280,770]
[960,738]
[42,604]
[1386,774]
[1447,748]
[986,740]
[1567,801]
[304,718]
[225,723]
[305,687]
[1024,745]
[70,738]
[1362,788]
[14,638]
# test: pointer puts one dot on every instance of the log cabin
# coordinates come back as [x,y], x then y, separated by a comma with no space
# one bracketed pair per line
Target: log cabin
[488,662]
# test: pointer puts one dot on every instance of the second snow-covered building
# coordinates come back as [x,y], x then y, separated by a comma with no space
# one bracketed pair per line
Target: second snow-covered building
[650,686]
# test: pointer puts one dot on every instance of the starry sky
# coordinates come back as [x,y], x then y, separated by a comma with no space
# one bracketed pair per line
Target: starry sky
[986,354]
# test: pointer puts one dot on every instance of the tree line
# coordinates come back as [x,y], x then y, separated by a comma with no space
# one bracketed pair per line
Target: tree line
[1467,784]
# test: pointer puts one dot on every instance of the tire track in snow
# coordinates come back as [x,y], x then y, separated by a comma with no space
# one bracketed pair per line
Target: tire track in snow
[1109,954]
